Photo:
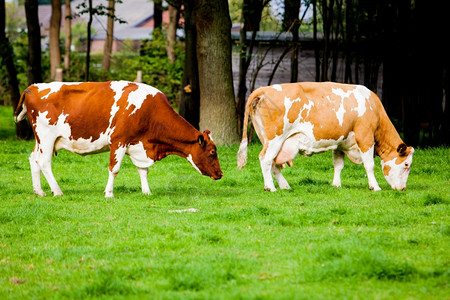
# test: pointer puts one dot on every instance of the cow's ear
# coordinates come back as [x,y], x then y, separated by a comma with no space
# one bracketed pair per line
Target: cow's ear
[401,149]
[201,140]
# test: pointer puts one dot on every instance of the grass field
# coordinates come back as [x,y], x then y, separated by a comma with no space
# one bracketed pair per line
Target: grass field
[314,241]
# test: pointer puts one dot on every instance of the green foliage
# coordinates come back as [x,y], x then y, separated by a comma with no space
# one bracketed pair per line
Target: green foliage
[157,70]
[314,241]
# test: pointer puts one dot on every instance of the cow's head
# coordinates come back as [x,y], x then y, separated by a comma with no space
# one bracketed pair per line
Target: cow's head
[396,170]
[203,156]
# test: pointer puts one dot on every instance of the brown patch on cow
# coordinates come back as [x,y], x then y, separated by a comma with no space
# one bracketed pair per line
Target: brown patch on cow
[92,118]
[272,113]
[294,111]
[386,170]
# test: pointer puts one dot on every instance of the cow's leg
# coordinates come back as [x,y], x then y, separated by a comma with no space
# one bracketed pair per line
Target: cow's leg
[43,156]
[143,174]
[282,182]
[266,159]
[115,159]
[338,164]
[138,156]
[36,174]
[369,165]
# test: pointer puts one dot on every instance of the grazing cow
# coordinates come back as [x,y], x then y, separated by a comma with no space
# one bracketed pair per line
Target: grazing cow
[119,116]
[310,118]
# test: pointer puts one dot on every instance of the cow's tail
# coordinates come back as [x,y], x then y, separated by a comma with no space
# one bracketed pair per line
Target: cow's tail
[21,110]
[242,153]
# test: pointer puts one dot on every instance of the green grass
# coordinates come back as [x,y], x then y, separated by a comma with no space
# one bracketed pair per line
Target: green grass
[311,242]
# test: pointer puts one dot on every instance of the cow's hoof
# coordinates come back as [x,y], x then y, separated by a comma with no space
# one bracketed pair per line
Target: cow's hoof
[266,188]
[285,187]
[375,189]
[40,193]
[109,195]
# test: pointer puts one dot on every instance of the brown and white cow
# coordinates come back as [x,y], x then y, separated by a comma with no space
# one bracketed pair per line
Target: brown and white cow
[117,116]
[310,118]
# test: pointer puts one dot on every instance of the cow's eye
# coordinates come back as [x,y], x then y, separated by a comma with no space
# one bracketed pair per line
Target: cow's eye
[406,165]
[213,152]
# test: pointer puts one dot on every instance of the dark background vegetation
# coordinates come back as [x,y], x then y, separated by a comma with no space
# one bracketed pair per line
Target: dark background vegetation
[405,40]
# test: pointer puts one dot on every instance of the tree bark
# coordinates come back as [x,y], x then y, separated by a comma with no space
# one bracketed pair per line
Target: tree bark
[55,26]
[23,129]
[189,107]
[291,22]
[217,105]
[172,33]
[107,50]
[88,50]
[34,67]
[157,14]
[316,43]
[68,31]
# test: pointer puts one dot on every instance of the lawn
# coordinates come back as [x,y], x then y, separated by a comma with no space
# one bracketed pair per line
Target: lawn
[314,241]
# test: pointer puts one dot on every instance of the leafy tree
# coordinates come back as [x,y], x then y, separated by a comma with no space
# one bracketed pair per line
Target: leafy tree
[86,7]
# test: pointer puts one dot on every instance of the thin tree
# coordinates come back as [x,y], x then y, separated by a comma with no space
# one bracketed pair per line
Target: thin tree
[34,65]
[86,7]
[107,50]
[23,129]
[217,106]
[291,23]
[189,107]
[68,33]
[172,32]
[157,14]
[55,26]
[251,18]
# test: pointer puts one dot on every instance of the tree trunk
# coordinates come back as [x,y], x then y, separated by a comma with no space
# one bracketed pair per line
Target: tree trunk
[316,43]
[23,129]
[88,51]
[327,17]
[68,31]
[291,23]
[349,23]
[189,107]
[34,67]
[336,42]
[55,26]
[172,33]
[157,14]
[107,50]
[217,106]
[251,18]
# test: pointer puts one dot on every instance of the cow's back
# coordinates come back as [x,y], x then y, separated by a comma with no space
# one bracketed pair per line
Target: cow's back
[322,111]
[84,107]
[339,108]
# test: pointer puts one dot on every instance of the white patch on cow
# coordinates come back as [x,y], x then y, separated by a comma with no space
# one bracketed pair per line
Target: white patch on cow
[210,137]
[361,94]
[119,154]
[398,173]
[277,87]
[138,156]
[53,86]
[138,96]
[367,158]
[117,87]
[83,146]
[46,131]
[189,158]
[340,113]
